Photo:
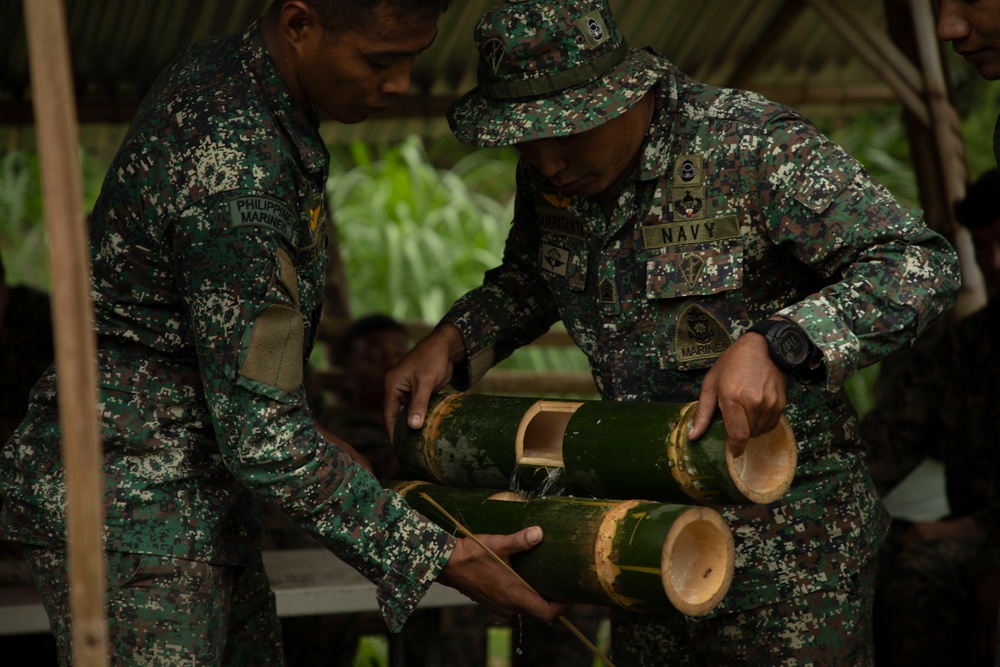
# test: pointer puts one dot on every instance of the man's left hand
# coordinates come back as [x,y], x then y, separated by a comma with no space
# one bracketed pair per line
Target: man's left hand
[749,390]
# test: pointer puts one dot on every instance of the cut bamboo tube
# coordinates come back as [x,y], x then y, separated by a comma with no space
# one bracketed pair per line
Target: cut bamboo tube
[605,449]
[633,554]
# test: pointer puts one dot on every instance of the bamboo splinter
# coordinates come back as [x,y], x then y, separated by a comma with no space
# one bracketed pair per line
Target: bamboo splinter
[605,449]
[633,554]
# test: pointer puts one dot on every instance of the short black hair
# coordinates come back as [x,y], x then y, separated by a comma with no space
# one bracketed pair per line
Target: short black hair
[981,206]
[362,327]
[339,15]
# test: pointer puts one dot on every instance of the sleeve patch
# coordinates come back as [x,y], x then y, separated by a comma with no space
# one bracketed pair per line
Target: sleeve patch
[260,211]
[275,354]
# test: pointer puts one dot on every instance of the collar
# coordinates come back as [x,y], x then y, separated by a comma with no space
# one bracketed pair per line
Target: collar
[656,159]
[300,125]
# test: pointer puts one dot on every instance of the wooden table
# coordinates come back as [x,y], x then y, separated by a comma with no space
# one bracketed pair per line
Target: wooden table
[306,582]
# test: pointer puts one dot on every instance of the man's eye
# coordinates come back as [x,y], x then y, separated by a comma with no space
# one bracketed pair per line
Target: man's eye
[380,63]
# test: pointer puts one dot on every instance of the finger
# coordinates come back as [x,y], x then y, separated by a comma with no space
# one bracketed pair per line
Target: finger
[737,426]
[706,408]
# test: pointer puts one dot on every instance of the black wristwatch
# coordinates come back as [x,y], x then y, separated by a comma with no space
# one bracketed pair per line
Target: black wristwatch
[789,347]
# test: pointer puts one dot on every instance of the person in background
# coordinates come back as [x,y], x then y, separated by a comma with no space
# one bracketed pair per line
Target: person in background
[938,583]
[699,244]
[973,28]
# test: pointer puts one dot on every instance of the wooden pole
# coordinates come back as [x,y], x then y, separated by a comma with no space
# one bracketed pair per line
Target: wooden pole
[633,554]
[72,314]
[603,449]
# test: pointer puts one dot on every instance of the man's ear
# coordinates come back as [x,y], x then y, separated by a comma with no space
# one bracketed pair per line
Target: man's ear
[298,23]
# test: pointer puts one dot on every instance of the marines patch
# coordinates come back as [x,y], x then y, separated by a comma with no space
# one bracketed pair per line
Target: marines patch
[685,233]
[261,211]
[554,259]
[699,335]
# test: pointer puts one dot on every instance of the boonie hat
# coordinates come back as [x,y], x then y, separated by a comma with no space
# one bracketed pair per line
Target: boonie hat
[549,69]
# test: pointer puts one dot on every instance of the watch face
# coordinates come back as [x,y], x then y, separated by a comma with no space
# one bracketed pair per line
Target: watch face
[793,346]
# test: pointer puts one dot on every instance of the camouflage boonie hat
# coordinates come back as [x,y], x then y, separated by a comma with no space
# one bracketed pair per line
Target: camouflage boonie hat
[549,69]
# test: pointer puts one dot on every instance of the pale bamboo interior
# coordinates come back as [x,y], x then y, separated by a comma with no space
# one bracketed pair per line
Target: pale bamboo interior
[697,561]
[541,431]
[766,468]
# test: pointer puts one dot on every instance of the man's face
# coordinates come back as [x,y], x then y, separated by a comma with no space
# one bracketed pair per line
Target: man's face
[357,72]
[973,27]
[987,242]
[591,162]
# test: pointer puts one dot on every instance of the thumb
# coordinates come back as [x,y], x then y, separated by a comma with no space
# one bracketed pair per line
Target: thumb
[524,539]
[703,415]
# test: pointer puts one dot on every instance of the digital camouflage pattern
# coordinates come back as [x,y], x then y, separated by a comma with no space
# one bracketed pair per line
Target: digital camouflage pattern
[739,210]
[940,399]
[585,57]
[209,251]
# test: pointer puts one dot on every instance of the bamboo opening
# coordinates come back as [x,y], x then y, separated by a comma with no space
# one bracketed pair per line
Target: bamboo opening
[697,561]
[767,467]
[541,432]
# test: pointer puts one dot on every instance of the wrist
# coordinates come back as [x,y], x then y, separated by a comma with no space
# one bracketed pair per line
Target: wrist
[789,347]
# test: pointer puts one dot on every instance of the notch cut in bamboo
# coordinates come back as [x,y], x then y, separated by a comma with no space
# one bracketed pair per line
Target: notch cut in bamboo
[606,449]
[632,554]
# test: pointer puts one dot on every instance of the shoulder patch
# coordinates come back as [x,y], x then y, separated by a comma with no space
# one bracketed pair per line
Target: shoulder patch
[262,211]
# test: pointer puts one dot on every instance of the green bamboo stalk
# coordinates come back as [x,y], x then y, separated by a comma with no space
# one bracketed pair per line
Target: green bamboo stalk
[606,449]
[633,554]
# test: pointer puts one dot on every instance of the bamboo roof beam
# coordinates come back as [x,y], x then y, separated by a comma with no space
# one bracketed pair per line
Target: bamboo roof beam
[881,56]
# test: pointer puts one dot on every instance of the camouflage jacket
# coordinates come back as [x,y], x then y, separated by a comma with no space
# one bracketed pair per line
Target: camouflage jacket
[739,210]
[209,254]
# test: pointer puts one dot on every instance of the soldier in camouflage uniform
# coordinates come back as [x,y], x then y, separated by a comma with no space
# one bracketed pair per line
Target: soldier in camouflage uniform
[937,585]
[974,30]
[662,219]
[208,253]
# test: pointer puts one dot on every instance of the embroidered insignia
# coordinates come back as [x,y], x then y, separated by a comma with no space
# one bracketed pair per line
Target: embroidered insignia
[260,211]
[690,204]
[688,171]
[691,267]
[554,259]
[687,232]
[699,335]
[314,217]
[608,290]
[556,199]
[553,216]
[493,51]
[594,29]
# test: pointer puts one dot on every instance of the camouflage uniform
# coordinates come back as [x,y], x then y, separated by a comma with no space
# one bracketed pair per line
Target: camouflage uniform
[738,210]
[209,253]
[940,399]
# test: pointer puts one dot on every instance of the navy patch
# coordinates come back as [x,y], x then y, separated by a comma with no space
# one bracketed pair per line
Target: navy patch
[261,211]
[554,259]
[699,335]
[687,232]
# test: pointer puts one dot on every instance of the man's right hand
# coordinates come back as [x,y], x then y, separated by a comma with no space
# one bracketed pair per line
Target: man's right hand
[479,576]
[427,368]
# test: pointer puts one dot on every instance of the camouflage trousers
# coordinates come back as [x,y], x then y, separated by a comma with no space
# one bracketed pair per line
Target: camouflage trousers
[828,628]
[167,612]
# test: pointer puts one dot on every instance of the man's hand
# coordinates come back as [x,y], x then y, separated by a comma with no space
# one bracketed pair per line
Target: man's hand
[749,390]
[479,576]
[426,369]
